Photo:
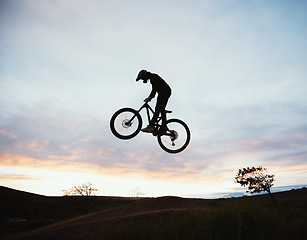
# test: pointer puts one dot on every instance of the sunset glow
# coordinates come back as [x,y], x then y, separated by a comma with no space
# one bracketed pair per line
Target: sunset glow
[238,74]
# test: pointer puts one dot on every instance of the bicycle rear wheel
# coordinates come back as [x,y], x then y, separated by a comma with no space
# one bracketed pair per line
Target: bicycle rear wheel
[177,137]
[126,123]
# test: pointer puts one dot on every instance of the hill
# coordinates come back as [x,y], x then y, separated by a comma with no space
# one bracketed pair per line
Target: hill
[20,211]
[183,218]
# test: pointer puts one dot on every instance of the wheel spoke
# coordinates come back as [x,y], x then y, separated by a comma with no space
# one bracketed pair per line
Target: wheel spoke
[178,137]
[126,123]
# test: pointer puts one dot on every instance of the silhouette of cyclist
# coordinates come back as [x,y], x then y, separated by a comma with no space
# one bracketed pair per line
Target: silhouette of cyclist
[164,92]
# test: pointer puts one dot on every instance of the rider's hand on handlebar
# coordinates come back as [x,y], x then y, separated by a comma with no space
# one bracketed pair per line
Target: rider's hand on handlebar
[147,99]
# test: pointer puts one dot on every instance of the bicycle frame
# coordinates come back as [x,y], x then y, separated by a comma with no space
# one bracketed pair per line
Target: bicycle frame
[148,111]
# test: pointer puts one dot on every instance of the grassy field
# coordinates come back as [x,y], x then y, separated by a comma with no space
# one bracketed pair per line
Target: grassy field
[180,218]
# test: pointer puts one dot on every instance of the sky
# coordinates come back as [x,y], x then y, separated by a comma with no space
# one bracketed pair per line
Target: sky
[238,75]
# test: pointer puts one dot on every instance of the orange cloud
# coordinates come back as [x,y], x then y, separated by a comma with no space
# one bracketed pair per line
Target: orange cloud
[8,134]
[116,169]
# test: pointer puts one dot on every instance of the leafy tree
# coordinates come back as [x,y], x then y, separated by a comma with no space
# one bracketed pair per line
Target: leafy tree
[256,179]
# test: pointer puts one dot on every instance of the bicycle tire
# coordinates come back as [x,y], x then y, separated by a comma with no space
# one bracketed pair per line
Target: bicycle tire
[119,123]
[183,136]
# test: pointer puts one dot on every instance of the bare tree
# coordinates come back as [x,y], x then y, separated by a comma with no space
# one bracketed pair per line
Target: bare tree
[84,190]
[136,192]
[256,179]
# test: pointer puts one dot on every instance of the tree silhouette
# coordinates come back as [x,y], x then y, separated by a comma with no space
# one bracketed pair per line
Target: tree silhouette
[256,179]
[84,190]
[136,192]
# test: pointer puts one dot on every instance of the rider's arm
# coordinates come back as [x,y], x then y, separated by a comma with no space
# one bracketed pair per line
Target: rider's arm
[151,95]
[153,92]
[147,99]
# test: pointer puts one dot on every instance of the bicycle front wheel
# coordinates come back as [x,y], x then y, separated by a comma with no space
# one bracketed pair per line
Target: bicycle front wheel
[126,123]
[176,138]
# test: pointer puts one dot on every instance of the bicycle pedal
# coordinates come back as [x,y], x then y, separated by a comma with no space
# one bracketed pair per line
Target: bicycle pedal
[155,132]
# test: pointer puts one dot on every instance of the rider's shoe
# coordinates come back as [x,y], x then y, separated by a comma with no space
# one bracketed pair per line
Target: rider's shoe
[148,129]
[162,130]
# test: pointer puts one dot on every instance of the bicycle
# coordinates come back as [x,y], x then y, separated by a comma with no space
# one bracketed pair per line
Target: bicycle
[126,123]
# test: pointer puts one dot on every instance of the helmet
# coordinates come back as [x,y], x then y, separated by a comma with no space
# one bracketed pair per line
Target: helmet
[143,74]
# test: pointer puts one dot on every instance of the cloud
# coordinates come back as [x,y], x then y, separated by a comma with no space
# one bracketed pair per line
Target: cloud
[17,177]
[58,142]
[237,71]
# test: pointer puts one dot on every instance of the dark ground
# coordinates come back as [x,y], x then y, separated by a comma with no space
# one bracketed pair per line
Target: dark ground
[30,216]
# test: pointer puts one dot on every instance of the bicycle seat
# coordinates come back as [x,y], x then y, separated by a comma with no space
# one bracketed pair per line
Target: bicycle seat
[167,111]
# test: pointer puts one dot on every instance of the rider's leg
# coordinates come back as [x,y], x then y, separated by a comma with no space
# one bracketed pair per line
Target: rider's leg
[160,108]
